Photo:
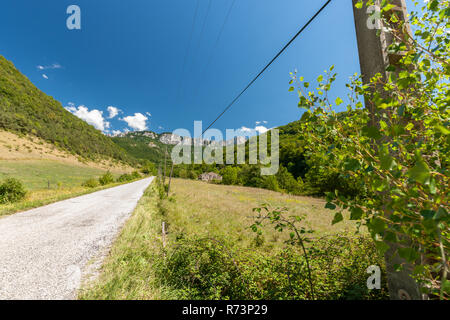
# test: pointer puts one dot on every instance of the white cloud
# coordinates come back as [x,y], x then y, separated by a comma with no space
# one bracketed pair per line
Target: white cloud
[53,66]
[45,76]
[116,133]
[261,129]
[137,122]
[149,114]
[93,117]
[258,122]
[244,131]
[113,112]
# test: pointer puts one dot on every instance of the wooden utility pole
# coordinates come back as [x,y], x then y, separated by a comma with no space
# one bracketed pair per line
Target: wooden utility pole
[373,43]
[165,161]
[170,180]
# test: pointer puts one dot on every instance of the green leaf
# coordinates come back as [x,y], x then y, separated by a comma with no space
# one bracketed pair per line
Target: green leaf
[377,225]
[387,162]
[337,218]
[441,214]
[409,254]
[330,206]
[356,213]
[381,246]
[371,132]
[352,165]
[420,172]
[427,214]
[443,130]
[339,101]
[446,286]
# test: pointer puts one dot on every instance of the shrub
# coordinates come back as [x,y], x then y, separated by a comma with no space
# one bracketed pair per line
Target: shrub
[270,183]
[90,183]
[206,268]
[125,177]
[135,175]
[149,168]
[230,175]
[12,190]
[107,178]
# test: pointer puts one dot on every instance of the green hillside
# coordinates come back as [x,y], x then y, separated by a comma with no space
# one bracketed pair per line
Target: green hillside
[26,109]
[143,147]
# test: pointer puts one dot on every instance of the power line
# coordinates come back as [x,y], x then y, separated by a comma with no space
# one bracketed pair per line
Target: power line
[269,64]
[204,25]
[227,16]
[187,50]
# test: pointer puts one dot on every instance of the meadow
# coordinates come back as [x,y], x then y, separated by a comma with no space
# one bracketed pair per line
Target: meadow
[47,181]
[211,252]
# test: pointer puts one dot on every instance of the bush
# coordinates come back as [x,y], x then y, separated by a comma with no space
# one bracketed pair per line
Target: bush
[125,177]
[107,178]
[135,175]
[149,168]
[90,183]
[230,175]
[206,268]
[12,190]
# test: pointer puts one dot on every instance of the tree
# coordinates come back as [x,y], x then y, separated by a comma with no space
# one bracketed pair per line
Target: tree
[402,162]
[230,175]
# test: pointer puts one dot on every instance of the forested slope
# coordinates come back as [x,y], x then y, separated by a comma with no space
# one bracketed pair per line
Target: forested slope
[26,109]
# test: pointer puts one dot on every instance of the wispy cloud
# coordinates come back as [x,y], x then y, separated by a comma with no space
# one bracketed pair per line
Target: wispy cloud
[52,66]
[45,76]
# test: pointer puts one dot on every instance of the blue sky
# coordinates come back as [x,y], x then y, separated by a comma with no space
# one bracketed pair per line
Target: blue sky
[130,55]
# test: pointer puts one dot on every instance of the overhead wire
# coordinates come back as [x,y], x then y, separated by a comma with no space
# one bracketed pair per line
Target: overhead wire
[187,51]
[269,64]
[219,36]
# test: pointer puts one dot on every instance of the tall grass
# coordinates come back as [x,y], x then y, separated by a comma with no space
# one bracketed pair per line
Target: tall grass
[213,254]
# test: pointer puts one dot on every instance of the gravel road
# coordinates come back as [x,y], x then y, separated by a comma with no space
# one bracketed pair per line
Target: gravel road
[44,251]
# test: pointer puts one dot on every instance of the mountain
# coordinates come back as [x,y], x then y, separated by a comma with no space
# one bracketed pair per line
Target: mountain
[149,145]
[24,109]
[144,145]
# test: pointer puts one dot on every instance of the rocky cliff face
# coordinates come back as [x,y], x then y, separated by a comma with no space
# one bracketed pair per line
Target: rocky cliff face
[173,139]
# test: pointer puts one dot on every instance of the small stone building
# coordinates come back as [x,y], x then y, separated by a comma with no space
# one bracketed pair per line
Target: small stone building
[210,176]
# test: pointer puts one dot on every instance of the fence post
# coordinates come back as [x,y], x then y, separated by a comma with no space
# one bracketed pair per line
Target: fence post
[164,241]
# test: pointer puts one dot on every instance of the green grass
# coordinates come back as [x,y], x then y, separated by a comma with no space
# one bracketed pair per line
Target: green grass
[35,174]
[65,182]
[197,210]
[127,272]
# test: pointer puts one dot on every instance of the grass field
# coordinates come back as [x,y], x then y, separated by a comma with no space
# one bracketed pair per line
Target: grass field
[36,174]
[226,211]
[200,210]
[46,181]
